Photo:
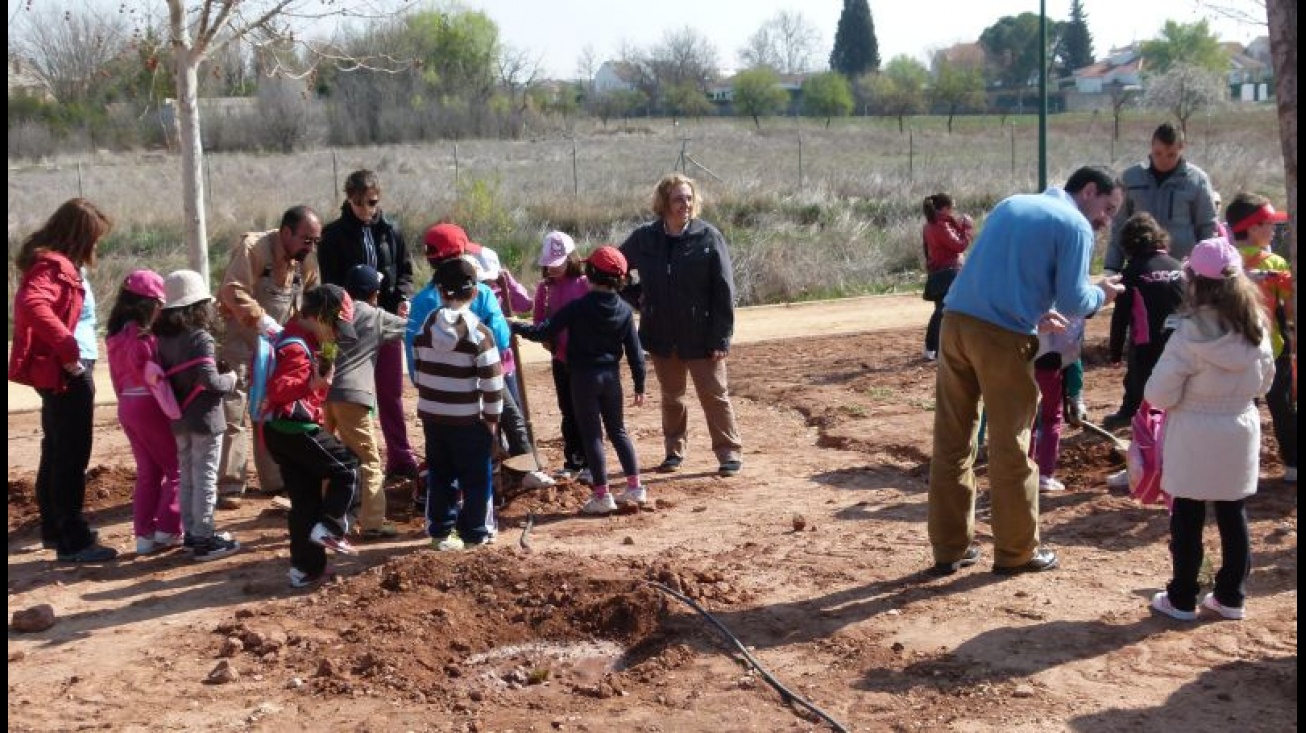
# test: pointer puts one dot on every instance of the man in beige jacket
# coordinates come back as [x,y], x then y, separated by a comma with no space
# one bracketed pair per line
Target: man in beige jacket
[261,290]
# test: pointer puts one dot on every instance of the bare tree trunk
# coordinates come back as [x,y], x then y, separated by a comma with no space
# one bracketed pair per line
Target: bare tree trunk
[1283,48]
[192,164]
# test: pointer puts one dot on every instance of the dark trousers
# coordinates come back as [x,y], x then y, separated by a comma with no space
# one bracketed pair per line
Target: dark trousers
[573,450]
[459,480]
[596,398]
[1139,362]
[512,423]
[306,459]
[1283,411]
[66,421]
[1186,521]
[932,330]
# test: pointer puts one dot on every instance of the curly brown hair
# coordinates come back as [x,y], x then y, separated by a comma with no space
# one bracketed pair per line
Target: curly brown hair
[1142,235]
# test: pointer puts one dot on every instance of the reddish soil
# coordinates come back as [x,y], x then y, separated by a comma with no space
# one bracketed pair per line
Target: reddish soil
[812,557]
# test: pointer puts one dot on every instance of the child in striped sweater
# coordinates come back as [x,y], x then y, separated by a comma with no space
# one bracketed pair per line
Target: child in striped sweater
[459,399]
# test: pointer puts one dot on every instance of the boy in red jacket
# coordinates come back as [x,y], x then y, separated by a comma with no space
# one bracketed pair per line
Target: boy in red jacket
[307,453]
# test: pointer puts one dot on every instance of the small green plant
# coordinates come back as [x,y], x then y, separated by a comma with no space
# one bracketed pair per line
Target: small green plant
[879,393]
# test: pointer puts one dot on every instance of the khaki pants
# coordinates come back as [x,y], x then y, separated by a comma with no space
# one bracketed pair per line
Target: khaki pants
[978,360]
[710,383]
[233,466]
[353,425]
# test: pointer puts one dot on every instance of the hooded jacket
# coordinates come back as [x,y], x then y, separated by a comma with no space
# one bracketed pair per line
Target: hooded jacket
[295,403]
[457,370]
[601,326]
[1182,203]
[1205,381]
[355,377]
[1154,289]
[687,306]
[46,309]
[343,246]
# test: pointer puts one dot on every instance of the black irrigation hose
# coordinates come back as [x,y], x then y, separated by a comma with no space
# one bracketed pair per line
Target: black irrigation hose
[785,694]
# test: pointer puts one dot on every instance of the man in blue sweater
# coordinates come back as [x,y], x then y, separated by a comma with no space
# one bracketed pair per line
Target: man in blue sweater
[1032,255]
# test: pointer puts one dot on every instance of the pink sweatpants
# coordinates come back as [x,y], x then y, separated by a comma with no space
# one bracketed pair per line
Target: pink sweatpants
[155,506]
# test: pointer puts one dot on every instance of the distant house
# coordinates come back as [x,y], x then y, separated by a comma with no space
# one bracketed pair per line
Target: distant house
[614,76]
[24,83]
[1123,67]
[1250,78]
[724,92]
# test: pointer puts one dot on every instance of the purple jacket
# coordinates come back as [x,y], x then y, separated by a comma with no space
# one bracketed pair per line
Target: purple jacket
[550,296]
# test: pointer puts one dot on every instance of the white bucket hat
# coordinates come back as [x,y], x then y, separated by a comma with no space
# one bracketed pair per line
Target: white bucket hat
[183,288]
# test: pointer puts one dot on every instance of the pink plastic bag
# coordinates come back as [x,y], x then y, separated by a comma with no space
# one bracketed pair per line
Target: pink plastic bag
[1144,459]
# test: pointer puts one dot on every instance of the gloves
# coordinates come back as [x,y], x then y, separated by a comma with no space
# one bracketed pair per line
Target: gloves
[268,327]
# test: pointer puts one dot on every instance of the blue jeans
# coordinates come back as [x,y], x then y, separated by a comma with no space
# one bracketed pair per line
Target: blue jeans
[459,480]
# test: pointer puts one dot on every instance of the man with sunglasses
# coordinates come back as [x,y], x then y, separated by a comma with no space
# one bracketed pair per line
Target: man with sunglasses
[261,290]
[364,235]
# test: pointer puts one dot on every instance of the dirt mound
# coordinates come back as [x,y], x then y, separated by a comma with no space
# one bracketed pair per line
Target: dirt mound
[107,488]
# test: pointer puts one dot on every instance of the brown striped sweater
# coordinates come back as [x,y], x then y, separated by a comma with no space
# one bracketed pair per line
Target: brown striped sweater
[458,374]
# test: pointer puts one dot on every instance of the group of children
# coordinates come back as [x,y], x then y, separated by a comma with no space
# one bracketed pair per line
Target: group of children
[1203,340]
[319,396]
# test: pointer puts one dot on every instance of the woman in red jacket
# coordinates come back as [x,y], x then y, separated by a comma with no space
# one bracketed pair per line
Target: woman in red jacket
[45,356]
[945,237]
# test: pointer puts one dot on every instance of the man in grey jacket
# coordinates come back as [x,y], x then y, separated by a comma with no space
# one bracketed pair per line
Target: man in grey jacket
[1175,192]
[1179,196]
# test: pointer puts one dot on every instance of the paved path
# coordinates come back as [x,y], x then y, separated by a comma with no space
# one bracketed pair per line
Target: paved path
[758,323]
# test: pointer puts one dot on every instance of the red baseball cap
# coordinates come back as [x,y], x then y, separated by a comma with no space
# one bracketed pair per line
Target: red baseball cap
[608,260]
[444,241]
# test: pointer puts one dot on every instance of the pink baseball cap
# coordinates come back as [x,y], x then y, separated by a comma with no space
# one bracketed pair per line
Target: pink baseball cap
[1213,258]
[145,283]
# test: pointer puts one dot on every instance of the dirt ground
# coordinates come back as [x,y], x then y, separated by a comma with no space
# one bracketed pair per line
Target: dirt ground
[812,558]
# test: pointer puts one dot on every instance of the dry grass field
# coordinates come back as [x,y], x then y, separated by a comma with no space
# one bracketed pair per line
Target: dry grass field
[809,211]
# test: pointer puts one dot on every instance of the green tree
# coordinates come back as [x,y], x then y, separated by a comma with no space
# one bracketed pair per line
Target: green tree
[757,94]
[1179,43]
[1011,48]
[956,88]
[619,103]
[827,95]
[1076,41]
[685,99]
[899,90]
[855,49]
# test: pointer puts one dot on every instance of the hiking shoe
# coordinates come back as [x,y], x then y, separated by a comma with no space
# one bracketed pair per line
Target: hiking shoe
[214,548]
[1043,560]
[600,505]
[328,539]
[729,468]
[585,477]
[637,496]
[1232,613]
[1290,475]
[1118,480]
[670,464]
[931,355]
[451,543]
[1047,484]
[1161,604]
[301,579]
[968,559]
[536,480]
[387,530]
[93,552]
[189,540]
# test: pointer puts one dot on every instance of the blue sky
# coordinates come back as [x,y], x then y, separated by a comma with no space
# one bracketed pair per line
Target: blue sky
[556,31]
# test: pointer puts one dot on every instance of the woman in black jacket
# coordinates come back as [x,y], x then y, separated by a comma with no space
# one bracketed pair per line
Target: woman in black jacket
[363,235]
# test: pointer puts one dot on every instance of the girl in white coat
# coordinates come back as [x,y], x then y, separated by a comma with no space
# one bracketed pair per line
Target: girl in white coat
[1216,363]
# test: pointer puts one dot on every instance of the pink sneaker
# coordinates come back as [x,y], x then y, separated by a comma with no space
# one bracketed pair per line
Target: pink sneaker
[1231,613]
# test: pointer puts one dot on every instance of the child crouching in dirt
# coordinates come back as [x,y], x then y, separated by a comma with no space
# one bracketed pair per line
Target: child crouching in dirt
[1217,361]
[459,398]
[306,453]
[600,325]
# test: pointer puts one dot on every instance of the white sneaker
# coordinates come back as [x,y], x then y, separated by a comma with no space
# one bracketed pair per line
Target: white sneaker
[164,540]
[451,543]
[931,355]
[1118,480]
[1161,604]
[536,480]
[600,505]
[637,495]
[1232,613]
[320,535]
[1290,474]
[1050,484]
[145,545]
[585,477]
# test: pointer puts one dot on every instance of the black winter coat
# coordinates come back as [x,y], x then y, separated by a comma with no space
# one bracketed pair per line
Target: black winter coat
[343,247]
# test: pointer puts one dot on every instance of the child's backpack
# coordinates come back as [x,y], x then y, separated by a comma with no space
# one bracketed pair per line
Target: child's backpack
[264,364]
[1144,457]
[157,382]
